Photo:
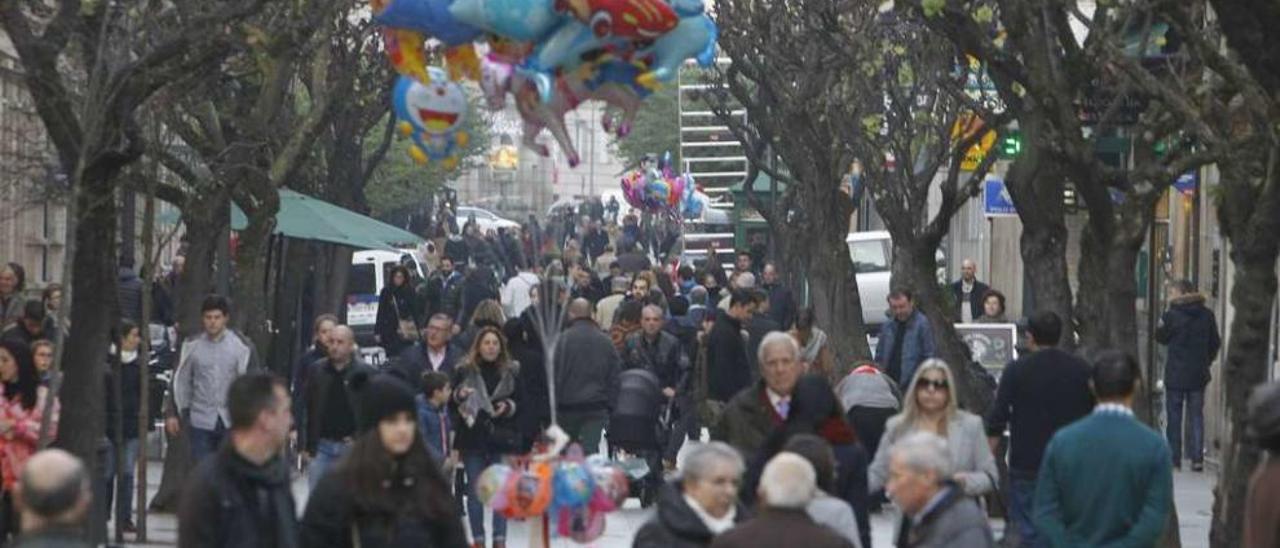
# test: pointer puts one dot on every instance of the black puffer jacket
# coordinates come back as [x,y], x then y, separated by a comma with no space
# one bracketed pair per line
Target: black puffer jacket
[1191,333]
[675,525]
[664,358]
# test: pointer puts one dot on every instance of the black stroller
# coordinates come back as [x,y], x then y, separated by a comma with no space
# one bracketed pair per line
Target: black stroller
[640,427]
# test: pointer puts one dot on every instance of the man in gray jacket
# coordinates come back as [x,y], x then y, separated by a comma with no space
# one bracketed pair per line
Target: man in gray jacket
[206,366]
[586,376]
[921,485]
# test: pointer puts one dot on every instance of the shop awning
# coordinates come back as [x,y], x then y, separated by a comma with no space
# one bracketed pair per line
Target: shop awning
[307,218]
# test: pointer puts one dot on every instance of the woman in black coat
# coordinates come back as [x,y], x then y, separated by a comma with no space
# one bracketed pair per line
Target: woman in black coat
[396,303]
[487,397]
[388,492]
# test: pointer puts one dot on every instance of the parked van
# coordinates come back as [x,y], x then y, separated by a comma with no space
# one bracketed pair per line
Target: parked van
[370,272]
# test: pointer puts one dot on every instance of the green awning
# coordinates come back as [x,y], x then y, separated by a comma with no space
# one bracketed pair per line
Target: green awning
[307,218]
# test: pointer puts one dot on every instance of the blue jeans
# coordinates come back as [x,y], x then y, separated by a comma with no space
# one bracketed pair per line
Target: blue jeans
[123,491]
[1194,400]
[475,462]
[1022,496]
[328,453]
[205,442]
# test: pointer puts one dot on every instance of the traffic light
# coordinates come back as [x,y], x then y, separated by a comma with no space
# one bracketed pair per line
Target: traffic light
[1011,144]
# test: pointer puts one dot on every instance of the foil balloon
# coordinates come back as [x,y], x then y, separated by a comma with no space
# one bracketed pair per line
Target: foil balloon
[491,484]
[693,203]
[418,19]
[563,50]
[694,37]
[612,487]
[529,492]
[631,19]
[573,484]
[520,20]
[432,115]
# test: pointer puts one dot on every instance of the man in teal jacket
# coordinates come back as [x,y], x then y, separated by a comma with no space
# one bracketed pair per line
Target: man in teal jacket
[1106,479]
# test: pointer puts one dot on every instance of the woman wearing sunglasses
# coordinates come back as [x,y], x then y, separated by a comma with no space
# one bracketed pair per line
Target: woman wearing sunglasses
[930,405]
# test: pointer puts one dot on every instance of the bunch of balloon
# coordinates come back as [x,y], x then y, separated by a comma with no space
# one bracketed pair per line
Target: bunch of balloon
[655,188]
[566,494]
[552,55]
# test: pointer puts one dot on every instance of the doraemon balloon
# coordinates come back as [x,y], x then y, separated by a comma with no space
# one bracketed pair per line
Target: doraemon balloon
[432,114]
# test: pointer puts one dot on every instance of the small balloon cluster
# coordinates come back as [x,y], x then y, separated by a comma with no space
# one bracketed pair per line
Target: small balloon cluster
[655,188]
[551,55]
[575,492]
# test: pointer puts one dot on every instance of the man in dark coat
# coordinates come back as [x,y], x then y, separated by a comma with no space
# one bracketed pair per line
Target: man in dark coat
[330,419]
[782,304]
[241,497]
[1190,331]
[594,241]
[756,411]
[728,368]
[660,353]
[130,291]
[967,293]
[1039,393]
[432,353]
[586,377]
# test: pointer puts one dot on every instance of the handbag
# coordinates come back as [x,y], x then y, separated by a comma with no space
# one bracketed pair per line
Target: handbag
[408,329]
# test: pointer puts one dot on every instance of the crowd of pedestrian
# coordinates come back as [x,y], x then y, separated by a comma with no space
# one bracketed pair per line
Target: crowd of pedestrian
[647,354]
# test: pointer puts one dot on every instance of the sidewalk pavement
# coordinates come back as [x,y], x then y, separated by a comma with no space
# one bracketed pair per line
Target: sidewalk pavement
[1193,494]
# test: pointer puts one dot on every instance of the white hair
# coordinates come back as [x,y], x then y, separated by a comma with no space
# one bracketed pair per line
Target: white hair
[923,452]
[788,481]
[778,338]
[699,459]
[746,280]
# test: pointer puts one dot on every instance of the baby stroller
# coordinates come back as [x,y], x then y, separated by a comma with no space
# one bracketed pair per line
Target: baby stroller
[639,429]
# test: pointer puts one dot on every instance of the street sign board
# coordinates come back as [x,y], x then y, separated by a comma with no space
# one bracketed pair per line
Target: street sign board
[995,199]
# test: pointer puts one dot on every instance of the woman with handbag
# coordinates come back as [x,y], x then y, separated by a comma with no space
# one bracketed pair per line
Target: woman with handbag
[395,327]
[486,398]
[388,491]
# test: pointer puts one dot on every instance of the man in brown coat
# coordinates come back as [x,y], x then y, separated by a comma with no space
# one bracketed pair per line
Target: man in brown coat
[786,487]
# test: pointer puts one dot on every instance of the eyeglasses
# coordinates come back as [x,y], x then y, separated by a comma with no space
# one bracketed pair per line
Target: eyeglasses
[939,384]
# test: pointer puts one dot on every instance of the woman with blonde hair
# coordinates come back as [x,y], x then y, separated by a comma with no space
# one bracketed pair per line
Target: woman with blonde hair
[930,405]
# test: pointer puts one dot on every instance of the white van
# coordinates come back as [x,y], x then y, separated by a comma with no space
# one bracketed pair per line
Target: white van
[370,271]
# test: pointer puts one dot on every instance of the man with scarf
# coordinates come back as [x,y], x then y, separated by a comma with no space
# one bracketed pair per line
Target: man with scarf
[241,497]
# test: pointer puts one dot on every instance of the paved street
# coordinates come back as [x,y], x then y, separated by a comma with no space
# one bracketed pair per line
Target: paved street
[1194,494]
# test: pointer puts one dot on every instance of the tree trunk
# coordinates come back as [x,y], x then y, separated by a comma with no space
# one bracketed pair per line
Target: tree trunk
[1036,186]
[203,224]
[82,421]
[817,233]
[250,309]
[1245,366]
[915,268]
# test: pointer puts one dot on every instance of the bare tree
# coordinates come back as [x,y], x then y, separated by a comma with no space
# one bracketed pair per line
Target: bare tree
[785,75]
[89,66]
[916,128]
